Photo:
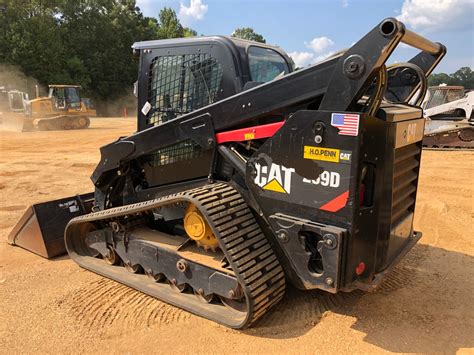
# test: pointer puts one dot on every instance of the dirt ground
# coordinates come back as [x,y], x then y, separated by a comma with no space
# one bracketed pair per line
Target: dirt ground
[426,305]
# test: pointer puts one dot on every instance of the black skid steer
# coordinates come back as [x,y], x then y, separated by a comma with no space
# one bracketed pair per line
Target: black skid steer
[245,175]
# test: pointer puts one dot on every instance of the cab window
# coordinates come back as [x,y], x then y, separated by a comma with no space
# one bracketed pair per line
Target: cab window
[265,64]
[72,94]
[182,83]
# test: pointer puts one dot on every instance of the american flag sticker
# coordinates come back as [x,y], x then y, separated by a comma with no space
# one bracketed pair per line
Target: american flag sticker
[347,123]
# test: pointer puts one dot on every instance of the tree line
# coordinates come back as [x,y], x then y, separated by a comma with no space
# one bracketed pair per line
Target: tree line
[84,42]
[462,77]
[88,42]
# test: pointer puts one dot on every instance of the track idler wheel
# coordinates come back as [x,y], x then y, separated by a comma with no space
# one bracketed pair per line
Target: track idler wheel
[82,244]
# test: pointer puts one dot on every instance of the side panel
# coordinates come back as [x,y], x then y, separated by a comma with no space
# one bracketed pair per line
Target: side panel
[308,191]
[340,199]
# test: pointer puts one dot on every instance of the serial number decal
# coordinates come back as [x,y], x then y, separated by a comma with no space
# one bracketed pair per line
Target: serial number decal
[327,179]
[72,206]
[249,136]
[327,154]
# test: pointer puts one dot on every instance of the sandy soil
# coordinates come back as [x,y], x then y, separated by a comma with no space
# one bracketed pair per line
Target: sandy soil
[426,305]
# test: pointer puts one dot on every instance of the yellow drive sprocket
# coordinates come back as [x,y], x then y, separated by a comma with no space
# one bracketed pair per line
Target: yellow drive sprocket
[198,229]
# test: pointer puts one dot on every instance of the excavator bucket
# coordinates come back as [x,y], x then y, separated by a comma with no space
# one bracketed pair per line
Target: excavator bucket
[41,228]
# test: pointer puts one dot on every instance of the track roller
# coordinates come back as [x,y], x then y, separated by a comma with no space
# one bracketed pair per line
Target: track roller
[134,269]
[152,276]
[202,297]
[177,287]
[111,257]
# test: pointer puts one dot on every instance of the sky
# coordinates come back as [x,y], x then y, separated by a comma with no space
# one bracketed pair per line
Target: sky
[311,30]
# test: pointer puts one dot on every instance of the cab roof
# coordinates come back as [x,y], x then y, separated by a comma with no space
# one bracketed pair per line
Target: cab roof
[237,46]
[447,87]
[239,42]
[64,86]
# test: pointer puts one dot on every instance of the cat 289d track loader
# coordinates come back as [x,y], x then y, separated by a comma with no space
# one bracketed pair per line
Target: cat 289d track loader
[244,176]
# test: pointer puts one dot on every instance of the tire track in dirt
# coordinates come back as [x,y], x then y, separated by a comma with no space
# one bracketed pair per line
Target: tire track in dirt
[106,304]
[18,172]
[12,208]
[404,274]
[305,308]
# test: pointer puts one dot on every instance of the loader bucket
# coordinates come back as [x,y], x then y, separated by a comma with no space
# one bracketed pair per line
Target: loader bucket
[41,228]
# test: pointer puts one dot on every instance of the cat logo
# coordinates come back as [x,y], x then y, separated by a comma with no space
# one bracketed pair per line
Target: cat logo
[277,178]
[345,156]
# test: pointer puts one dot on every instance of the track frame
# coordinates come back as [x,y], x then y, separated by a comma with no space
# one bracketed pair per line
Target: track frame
[245,247]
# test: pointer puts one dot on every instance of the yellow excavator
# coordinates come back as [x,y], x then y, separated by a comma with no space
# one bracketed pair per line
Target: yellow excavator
[62,109]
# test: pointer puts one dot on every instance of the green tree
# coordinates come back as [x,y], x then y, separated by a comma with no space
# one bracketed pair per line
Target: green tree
[465,77]
[188,32]
[169,25]
[249,34]
[85,42]
[99,34]
[440,78]
[31,39]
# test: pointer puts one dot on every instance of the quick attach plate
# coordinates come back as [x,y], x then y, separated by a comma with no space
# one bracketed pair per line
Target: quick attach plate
[314,249]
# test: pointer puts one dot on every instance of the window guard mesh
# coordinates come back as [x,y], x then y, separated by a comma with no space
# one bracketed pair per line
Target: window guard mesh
[174,153]
[179,84]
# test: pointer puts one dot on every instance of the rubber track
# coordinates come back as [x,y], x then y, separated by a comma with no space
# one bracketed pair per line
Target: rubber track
[450,149]
[246,248]
[237,217]
[445,146]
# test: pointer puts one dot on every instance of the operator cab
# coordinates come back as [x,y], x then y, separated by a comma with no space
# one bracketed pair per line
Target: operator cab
[178,76]
[65,97]
[440,95]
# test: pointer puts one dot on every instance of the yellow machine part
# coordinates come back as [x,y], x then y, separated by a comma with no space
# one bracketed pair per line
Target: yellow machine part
[43,107]
[198,229]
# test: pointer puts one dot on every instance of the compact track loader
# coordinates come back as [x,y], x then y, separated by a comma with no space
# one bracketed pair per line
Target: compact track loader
[244,176]
[449,115]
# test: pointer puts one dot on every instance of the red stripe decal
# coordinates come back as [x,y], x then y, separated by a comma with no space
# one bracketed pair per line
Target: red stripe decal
[337,203]
[249,133]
